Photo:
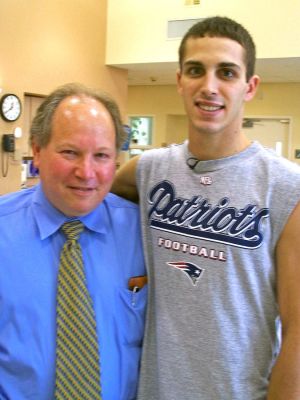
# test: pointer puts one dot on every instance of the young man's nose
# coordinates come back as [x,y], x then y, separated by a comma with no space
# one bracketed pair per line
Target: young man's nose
[209,84]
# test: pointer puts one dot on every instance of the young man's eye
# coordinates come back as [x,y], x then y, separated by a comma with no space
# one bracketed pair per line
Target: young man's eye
[194,71]
[227,73]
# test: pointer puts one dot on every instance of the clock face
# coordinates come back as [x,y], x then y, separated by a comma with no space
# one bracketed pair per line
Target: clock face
[10,107]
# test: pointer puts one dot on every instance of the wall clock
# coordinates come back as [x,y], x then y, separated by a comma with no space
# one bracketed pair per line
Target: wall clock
[10,107]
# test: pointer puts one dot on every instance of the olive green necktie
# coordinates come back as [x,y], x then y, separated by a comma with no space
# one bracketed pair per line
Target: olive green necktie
[77,353]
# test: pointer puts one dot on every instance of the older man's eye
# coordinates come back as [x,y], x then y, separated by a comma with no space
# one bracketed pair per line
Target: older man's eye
[102,156]
[68,153]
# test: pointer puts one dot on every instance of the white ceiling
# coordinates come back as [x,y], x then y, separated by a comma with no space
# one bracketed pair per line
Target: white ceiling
[270,70]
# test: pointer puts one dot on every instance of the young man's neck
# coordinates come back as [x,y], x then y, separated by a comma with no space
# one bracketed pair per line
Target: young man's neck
[212,146]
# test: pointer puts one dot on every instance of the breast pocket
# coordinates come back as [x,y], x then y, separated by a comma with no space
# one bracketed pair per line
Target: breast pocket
[131,315]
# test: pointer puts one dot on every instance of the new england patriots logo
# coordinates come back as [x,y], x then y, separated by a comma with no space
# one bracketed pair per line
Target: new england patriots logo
[193,271]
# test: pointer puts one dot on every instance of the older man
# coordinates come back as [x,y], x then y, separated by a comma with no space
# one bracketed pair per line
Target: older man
[72,293]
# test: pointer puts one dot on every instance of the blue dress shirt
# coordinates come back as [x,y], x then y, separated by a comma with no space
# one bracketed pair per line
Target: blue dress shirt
[30,245]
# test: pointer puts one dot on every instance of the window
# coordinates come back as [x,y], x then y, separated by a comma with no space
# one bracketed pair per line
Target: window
[141,130]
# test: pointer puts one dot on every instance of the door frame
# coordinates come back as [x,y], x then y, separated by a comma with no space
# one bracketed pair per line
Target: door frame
[279,119]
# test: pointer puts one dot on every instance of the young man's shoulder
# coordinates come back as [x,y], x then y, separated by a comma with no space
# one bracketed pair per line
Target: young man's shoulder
[279,163]
[157,151]
[162,154]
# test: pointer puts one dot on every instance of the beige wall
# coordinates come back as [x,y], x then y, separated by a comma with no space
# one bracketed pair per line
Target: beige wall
[44,44]
[163,102]
[282,100]
[137,30]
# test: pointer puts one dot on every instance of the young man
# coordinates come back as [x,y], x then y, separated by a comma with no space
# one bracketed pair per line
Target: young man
[221,220]
[54,324]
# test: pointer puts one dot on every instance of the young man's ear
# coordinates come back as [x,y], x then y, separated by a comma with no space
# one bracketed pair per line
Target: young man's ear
[253,84]
[178,80]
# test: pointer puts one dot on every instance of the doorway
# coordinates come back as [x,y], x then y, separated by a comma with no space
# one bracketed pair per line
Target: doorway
[270,132]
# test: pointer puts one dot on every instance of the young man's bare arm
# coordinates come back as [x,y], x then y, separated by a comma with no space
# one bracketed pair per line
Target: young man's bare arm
[125,181]
[285,382]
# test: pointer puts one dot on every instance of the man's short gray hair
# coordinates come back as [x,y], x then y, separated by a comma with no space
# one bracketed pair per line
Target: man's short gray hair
[41,126]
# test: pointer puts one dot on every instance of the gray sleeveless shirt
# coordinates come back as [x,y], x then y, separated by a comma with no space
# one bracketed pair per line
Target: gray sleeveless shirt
[210,234]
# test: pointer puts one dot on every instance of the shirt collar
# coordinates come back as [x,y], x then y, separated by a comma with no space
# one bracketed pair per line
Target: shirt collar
[49,219]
